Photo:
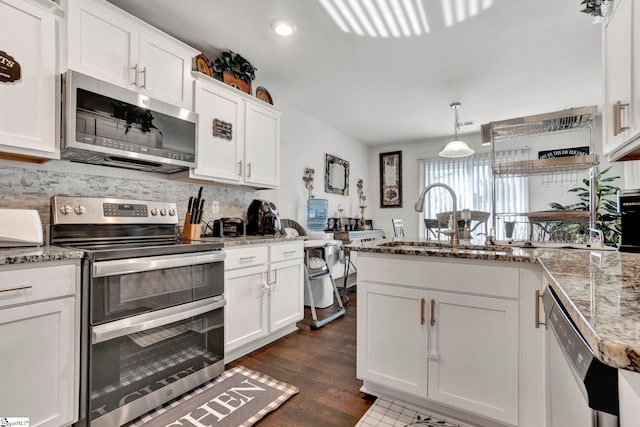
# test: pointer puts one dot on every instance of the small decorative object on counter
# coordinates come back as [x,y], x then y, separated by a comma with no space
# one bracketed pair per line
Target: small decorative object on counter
[234,70]
[308,180]
[362,200]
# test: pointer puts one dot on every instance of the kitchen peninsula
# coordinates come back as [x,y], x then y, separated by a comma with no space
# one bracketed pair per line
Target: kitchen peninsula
[482,325]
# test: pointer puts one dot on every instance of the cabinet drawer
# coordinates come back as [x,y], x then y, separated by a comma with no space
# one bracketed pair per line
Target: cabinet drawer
[39,283]
[283,252]
[245,257]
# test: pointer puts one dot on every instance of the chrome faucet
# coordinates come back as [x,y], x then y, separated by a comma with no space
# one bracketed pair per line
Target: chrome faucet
[455,238]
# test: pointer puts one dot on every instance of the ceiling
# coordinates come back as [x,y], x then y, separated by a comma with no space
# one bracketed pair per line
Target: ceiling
[514,58]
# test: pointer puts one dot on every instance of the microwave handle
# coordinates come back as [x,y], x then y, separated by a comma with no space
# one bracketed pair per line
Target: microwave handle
[154,319]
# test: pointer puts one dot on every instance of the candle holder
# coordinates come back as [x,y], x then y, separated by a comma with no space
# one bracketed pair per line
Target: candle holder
[340,223]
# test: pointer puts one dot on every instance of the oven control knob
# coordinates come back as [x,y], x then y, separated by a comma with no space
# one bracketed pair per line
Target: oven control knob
[65,210]
[79,210]
[172,212]
[154,211]
[163,212]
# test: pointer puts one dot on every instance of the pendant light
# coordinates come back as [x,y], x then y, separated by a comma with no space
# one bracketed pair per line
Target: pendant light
[457,147]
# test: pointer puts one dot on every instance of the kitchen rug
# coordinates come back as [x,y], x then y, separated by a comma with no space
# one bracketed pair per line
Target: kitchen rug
[394,413]
[239,397]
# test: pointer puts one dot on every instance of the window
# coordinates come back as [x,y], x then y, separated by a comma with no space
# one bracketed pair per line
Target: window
[470,177]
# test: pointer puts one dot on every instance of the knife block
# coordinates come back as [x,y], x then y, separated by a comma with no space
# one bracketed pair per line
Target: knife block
[190,231]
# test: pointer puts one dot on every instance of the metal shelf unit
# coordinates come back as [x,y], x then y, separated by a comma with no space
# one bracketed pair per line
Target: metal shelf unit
[543,124]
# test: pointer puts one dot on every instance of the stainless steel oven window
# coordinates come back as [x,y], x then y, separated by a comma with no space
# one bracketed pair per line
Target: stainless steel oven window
[118,296]
[134,358]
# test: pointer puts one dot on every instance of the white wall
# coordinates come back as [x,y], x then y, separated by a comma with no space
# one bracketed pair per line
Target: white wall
[304,143]
[540,194]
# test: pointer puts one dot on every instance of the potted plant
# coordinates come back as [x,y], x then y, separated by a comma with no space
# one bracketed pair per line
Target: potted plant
[594,7]
[234,70]
[607,216]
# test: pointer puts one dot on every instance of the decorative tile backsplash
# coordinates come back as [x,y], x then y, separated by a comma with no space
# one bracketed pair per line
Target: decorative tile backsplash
[32,188]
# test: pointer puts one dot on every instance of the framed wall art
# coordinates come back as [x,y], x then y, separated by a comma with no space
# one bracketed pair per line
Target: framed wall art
[391,179]
[336,175]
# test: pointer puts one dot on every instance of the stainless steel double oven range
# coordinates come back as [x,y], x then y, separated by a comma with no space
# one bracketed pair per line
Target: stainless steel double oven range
[152,316]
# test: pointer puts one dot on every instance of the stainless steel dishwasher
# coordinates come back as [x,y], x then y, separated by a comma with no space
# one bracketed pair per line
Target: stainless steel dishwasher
[581,390]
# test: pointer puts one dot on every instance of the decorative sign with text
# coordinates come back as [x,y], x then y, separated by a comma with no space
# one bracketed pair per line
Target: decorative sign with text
[563,152]
[9,68]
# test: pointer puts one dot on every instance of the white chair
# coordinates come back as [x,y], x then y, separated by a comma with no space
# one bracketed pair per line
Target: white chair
[398,228]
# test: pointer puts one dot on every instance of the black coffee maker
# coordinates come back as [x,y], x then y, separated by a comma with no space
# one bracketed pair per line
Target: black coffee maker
[262,218]
[629,208]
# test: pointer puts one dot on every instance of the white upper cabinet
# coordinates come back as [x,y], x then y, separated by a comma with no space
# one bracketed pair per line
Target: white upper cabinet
[111,45]
[28,70]
[621,58]
[238,137]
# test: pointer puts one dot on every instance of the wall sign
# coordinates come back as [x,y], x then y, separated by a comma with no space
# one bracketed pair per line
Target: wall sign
[9,68]
[222,129]
[563,152]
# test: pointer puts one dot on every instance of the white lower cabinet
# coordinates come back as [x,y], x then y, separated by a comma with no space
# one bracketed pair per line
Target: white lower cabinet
[448,335]
[40,341]
[473,354]
[263,289]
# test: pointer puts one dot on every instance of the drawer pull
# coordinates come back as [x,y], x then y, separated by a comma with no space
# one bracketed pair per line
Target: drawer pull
[16,288]
[247,258]
[289,252]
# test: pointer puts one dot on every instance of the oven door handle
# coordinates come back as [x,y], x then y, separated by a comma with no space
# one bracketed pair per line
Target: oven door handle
[137,265]
[154,319]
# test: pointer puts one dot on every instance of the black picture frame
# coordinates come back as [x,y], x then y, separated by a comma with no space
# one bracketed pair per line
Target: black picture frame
[391,179]
[336,175]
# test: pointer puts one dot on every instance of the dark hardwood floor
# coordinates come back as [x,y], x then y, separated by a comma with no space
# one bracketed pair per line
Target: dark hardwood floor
[322,364]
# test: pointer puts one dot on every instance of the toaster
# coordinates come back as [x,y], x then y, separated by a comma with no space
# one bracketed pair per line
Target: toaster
[262,218]
[229,227]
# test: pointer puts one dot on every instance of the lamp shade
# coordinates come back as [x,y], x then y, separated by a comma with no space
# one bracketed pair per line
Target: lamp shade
[456,148]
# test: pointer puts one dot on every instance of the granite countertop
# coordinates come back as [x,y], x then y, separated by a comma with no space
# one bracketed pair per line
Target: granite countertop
[599,289]
[230,242]
[25,255]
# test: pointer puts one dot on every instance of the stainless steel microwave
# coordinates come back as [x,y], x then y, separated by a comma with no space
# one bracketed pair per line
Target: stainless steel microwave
[109,125]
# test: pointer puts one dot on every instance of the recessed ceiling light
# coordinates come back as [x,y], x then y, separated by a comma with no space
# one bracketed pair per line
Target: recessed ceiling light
[283,28]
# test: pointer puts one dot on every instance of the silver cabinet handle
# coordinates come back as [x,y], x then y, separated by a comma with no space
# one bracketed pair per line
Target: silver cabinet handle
[246,258]
[135,75]
[249,170]
[422,311]
[289,252]
[138,265]
[537,309]
[617,118]
[144,81]
[154,319]
[432,312]
[240,168]
[16,288]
